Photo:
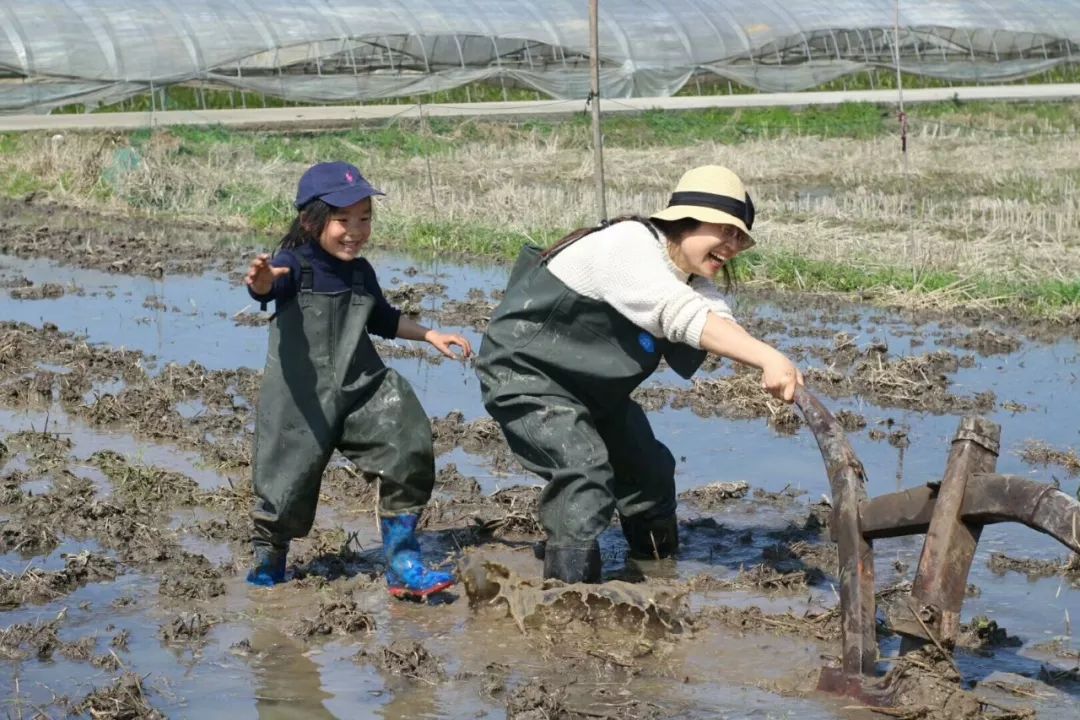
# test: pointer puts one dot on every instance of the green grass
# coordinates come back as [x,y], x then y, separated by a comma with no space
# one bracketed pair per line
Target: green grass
[652,128]
[20,183]
[793,271]
[9,143]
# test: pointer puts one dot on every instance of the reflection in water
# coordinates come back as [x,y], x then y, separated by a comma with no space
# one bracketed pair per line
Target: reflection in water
[411,699]
[287,683]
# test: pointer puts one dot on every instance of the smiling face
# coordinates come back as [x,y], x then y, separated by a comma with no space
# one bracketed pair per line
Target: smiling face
[706,249]
[347,230]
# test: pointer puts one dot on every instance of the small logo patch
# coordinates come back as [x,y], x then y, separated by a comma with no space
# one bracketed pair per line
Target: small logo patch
[647,342]
[350,178]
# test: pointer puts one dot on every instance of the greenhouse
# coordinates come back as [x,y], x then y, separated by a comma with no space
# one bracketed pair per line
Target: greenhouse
[55,53]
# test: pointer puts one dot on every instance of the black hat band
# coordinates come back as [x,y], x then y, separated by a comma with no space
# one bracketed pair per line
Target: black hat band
[738,208]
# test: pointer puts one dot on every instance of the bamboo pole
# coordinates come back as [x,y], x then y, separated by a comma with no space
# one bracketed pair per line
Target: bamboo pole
[594,97]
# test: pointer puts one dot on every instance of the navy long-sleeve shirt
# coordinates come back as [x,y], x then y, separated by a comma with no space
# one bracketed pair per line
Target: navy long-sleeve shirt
[331,276]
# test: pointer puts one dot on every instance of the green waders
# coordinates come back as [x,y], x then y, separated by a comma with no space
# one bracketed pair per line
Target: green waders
[325,387]
[556,371]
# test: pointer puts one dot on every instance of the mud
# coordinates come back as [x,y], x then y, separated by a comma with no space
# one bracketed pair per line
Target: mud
[507,514]
[125,699]
[925,684]
[984,635]
[339,614]
[984,341]
[1000,563]
[535,604]
[185,628]
[709,497]
[405,658]
[473,312]
[177,545]
[37,292]
[191,577]
[35,585]
[1036,452]
[479,437]
[114,243]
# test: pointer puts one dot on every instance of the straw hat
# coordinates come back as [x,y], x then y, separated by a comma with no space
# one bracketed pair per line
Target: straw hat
[711,194]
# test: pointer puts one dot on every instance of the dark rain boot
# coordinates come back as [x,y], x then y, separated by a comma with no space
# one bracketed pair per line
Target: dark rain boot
[406,573]
[572,564]
[269,565]
[653,539]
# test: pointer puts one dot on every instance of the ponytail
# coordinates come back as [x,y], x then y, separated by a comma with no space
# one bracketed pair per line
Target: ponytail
[307,226]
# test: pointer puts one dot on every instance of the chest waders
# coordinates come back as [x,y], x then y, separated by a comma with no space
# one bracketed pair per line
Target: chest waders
[325,388]
[556,371]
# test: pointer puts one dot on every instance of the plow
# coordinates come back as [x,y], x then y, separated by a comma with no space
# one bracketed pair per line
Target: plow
[951,512]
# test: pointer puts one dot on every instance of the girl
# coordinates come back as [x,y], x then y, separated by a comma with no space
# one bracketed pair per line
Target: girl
[584,323]
[326,388]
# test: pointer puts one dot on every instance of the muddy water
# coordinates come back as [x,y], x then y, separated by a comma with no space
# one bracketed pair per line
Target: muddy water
[255,659]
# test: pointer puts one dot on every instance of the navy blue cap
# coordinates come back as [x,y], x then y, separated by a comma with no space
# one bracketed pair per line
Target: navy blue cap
[338,184]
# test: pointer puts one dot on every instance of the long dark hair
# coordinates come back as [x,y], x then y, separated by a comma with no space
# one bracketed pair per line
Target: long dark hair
[307,226]
[672,230]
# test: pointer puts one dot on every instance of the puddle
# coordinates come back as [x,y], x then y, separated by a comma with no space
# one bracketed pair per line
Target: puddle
[250,662]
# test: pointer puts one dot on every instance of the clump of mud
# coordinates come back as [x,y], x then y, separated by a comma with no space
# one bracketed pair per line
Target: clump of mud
[1000,563]
[44,451]
[508,514]
[331,554]
[27,536]
[35,585]
[913,382]
[339,614]
[125,699]
[534,701]
[925,684]
[475,312]
[31,291]
[549,603]
[192,577]
[983,635]
[452,481]
[409,298]
[38,639]
[819,625]
[145,485]
[404,658]
[737,396]
[479,437]
[1036,452]
[187,628]
[984,341]
[713,495]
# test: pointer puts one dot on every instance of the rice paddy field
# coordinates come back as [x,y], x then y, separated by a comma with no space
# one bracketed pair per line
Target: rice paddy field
[912,289]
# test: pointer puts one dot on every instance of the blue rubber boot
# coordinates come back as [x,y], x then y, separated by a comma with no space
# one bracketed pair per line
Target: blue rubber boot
[269,568]
[406,574]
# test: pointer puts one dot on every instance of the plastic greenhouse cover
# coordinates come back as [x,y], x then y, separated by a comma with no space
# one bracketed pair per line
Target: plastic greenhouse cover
[55,52]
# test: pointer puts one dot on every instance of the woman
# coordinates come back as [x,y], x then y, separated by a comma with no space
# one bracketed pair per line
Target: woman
[582,324]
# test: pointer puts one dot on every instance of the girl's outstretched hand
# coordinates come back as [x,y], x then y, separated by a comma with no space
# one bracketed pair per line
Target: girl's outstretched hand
[443,342]
[780,377]
[261,275]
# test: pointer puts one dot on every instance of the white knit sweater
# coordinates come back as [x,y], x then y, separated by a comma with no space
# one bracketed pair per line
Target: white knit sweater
[625,266]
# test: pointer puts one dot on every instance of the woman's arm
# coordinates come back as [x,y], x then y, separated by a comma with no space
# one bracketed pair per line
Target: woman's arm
[779,376]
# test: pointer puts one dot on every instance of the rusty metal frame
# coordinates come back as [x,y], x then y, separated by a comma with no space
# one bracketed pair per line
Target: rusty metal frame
[951,513]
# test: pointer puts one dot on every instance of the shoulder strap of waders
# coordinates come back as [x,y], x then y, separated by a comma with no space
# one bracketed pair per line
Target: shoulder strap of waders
[307,280]
[358,287]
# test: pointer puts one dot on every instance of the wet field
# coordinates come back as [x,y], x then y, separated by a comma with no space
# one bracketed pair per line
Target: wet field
[126,389]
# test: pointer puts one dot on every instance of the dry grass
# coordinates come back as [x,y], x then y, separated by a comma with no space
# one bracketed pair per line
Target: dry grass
[974,205]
